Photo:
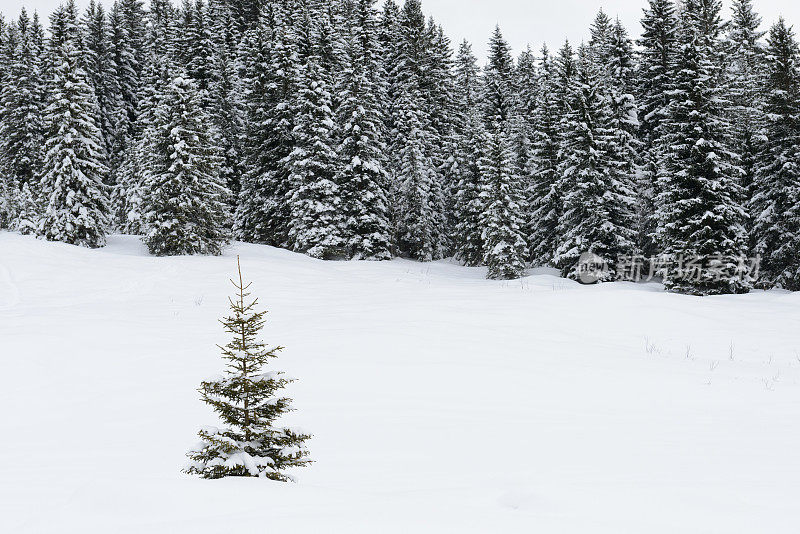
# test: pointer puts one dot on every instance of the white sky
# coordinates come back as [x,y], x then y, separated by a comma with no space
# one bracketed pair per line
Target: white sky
[522,21]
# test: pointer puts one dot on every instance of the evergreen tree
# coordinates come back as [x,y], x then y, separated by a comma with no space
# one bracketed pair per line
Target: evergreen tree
[22,98]
[390,79]
[317,227]
[126,80]
[625,147]
[416,210]
[3,47]
[525,95]
[700,210]
[263,214]
[469,197]
[776,200]
[102,73]
[566,68]
[158,53]
[498,83]
[744,81]
[248,400]
[64,29]
[467,86]
[597,199]
[184,206]
[470,141]
[601,37]
[28,211]
[437,85]
[225,87]
[654,79]
[419,197]
[361,171]
[543,196]
[128,41]
[8,203]
[195,47]
[249,218]
[505,249]
[75,207]
[502,221]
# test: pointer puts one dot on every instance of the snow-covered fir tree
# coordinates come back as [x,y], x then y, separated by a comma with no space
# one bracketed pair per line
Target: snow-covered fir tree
[658,48]
[248,400]
[22,100]
[700,202]
[390,79]
[8,203]
[503,223]
[776,191]
[102,71]
[600,37]
[744,80]
[416,215]
[362,174]
[318,226]
[505,249]
[158,53]
[597,199]
[544,202]
[75,198]
[127,20]
[417,186]
[28,211]
[525,94]
[225,93]
[195,47]
[470,142]
[618,76]
[263,214]
[437,84]
[184,204]
[526,91]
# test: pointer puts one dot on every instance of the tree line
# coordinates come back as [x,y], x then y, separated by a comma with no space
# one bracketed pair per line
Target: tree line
[345,131]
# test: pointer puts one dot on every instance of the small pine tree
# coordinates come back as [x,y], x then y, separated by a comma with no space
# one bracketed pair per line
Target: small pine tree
[248,401]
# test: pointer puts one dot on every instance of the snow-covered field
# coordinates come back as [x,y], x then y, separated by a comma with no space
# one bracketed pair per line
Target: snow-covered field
[440,402]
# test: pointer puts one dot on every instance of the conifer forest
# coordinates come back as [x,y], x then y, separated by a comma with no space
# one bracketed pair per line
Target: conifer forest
[349,130]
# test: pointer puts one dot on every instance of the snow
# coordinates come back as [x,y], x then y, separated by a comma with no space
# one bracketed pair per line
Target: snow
[439,401]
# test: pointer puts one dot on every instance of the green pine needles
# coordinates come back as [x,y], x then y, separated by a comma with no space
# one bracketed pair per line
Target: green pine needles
[248,401]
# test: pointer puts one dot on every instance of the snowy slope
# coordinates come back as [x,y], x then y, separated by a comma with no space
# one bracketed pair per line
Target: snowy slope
[440,402]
